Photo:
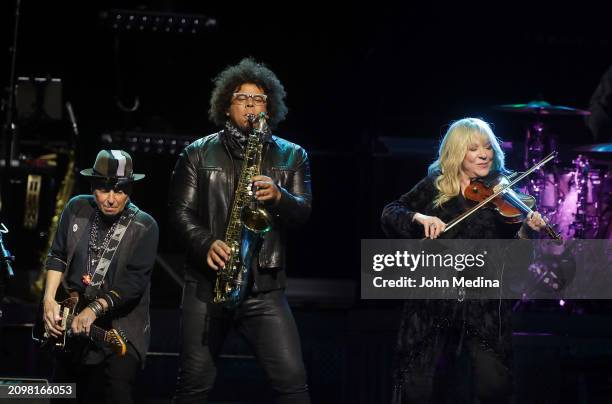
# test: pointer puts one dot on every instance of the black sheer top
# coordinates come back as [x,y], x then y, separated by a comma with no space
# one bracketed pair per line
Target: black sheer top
[426,322]
[397,216]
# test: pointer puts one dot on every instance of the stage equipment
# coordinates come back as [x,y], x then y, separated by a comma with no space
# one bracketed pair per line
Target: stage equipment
[603,150]
[151,21]
[541,108]
[39,98]
[159,143]
[10,139]
[578,197]
[63,196]
[32,202]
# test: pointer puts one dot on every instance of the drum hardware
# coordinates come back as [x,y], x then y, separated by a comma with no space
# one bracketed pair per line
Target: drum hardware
[541,108]
[596,149]
[536,141]
[575,197]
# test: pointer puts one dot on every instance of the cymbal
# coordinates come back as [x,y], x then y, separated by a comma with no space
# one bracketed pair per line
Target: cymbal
[603,148]
[541,108]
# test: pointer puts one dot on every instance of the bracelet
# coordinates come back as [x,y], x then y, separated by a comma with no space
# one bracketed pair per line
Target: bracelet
[93,306]
[97,308]
[109,301]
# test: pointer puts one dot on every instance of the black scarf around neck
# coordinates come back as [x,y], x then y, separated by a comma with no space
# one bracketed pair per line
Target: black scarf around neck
[236,139]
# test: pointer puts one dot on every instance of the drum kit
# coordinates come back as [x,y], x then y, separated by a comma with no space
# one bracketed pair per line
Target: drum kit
[575,194]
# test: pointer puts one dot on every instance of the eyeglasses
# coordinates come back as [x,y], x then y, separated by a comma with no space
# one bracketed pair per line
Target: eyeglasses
[242,98]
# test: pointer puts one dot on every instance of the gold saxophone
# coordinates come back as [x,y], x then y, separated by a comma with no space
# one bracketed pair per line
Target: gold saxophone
[247,225]
[62,198]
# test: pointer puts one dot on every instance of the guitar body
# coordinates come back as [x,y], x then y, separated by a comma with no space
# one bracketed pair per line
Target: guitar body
[69,308]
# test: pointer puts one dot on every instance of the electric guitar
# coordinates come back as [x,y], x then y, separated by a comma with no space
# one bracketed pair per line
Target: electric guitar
[114,338]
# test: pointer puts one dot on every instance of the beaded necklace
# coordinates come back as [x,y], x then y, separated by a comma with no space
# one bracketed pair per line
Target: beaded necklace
[94,248]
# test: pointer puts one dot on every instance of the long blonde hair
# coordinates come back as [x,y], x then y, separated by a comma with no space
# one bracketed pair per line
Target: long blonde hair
[453,148]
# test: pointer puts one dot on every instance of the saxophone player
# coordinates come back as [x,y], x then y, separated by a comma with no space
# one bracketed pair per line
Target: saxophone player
[202,196]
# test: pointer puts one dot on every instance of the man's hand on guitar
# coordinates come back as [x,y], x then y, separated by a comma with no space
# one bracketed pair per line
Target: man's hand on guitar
[82,323]
[52,318]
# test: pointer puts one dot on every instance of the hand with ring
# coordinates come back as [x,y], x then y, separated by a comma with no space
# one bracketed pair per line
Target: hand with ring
[432,225]
[266,189]
[81,324]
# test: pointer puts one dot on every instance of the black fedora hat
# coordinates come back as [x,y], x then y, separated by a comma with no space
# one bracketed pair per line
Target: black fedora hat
[113,166]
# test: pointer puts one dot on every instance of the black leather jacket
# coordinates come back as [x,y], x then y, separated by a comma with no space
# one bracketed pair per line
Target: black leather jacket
[201,192]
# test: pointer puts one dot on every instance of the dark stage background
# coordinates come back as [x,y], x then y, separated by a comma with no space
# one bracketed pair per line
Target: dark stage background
[370,90]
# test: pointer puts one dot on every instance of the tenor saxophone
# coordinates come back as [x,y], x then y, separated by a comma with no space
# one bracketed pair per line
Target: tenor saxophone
[248,223]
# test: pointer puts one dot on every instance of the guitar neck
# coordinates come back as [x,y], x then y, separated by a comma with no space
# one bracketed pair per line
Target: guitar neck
[95,333]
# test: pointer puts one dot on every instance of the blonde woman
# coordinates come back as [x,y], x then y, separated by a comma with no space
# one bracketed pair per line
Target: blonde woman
[450,350]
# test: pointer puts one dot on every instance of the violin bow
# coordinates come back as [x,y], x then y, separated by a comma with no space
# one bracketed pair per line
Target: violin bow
[470,211]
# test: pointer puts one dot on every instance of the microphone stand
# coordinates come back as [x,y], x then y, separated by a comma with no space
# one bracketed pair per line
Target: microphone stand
[6,258]
[10,149]
[10,140]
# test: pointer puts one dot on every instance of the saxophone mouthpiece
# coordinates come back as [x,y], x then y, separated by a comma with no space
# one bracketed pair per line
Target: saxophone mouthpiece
[262,120]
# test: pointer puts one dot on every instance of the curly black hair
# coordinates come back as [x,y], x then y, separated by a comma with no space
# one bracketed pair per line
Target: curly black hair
[247,71]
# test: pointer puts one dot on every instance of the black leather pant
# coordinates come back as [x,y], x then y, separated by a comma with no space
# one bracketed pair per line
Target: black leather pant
[265,320]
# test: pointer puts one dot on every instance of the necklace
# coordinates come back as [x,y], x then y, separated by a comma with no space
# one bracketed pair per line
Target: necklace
[94,248]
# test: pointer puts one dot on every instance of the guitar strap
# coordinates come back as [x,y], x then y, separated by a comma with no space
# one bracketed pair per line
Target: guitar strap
[93,289]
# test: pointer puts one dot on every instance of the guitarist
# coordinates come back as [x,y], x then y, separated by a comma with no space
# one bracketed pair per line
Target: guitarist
[114,295]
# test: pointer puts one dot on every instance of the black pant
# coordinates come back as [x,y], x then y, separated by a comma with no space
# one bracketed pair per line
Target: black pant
[457,375]
[265,320]
[110,381]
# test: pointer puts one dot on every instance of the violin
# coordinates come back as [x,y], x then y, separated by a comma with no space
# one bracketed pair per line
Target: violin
[509,204]
[512,205]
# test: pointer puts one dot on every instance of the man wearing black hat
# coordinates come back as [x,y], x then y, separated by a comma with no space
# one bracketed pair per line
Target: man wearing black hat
[104,249]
